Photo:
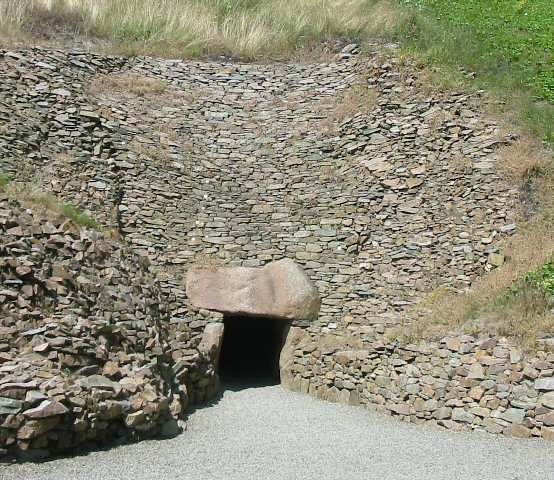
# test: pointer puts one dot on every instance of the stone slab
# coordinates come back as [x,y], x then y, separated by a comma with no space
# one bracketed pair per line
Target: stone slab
[280,290]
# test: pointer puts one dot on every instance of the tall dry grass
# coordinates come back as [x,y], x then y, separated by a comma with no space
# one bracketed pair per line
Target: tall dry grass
[500,302]
[245,28]
[12,14]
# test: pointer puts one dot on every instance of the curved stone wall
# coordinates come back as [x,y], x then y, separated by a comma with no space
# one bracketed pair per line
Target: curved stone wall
[461,383]
[380,189]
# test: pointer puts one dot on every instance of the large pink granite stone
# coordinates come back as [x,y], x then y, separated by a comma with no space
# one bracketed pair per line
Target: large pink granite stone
[280,289]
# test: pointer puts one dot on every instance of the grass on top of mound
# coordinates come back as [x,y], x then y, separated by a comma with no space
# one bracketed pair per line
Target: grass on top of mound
[188,28]
[514,35]
[507,46]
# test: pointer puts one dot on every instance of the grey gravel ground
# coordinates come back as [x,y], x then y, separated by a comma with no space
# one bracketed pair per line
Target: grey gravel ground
[269,433]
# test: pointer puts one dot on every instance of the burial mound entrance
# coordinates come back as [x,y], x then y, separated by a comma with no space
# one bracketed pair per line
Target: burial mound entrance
[251,349]
[258,305]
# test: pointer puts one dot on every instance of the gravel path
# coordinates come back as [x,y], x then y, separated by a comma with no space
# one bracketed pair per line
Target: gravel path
[268,433]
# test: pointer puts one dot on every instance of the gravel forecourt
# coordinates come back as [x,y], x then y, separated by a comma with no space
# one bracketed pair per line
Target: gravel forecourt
[269,433]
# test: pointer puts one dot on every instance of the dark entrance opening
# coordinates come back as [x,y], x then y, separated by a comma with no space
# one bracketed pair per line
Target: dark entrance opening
[250,351]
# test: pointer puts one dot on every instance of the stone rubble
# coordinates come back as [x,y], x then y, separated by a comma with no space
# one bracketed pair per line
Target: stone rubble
[244,164]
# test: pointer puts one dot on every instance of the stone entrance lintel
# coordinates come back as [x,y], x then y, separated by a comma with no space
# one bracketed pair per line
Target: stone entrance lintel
[280,289]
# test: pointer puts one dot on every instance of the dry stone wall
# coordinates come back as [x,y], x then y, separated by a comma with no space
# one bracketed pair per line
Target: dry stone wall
[244,164]
[87,355]
[460,383]
[380,189]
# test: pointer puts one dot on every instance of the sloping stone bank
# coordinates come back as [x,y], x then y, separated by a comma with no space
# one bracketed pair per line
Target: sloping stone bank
[246,163]
[460,383]
[87,354]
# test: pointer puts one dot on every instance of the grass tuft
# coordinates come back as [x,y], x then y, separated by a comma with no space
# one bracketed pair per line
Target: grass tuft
[4,180]
[540,280]
[359,99]
[31,193]
[127,84]
[78,217]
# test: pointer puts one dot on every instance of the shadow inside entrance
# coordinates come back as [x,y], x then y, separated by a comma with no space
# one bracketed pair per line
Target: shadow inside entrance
[250,352]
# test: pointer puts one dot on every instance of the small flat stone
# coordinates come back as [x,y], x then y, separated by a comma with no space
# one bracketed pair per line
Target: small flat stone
[98,381]
[48,408]
[62,92]
[547,400]
[513,415]
[544,384]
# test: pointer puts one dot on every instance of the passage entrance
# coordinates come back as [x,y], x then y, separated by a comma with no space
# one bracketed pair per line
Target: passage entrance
[251,349]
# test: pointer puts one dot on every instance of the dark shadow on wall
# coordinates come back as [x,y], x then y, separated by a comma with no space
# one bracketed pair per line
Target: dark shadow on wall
[250,352]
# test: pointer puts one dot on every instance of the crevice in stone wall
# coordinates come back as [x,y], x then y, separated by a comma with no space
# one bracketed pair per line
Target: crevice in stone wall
[118,197]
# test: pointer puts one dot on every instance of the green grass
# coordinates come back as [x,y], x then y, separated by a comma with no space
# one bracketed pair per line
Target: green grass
[30,193]
[525,309]
[4,180]
[540,279]
[508,44]
[77,216]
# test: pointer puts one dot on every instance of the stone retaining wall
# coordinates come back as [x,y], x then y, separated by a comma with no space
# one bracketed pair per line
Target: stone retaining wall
[244,164]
